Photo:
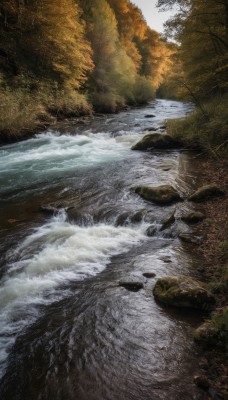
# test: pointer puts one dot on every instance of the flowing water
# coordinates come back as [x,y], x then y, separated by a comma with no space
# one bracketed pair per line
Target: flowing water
[68,330]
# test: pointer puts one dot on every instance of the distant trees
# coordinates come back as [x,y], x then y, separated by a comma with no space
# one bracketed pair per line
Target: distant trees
[201,28]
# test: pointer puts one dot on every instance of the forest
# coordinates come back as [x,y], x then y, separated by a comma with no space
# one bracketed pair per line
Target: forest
[64,59]
[200,31]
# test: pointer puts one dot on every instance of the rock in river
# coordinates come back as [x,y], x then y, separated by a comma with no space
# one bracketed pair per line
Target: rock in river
[189,238]
[183,291]
[206,192]
[131,284]
[157,141]
[162,195]
[193,217]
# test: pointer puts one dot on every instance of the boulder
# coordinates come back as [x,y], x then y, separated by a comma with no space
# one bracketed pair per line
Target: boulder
[189,238]
[149,116]
[206,335]
[206,192]
[193,217]
[158,141]
[131,284]
[183,291]
[162,195]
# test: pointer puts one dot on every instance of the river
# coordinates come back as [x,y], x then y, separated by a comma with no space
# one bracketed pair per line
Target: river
[68,330]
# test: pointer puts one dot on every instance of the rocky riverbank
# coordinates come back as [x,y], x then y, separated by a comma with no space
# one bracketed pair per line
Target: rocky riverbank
[214,250]
[208,239]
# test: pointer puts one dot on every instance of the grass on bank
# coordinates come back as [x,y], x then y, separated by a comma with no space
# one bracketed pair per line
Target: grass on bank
[22,111]
[206,128]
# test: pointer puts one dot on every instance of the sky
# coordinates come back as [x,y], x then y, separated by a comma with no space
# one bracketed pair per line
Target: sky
[154,18]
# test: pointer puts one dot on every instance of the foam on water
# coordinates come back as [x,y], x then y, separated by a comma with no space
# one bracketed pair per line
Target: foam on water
[47,261]
[51,155]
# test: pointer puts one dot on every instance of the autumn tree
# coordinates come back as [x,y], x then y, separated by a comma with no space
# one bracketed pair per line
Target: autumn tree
[201,28]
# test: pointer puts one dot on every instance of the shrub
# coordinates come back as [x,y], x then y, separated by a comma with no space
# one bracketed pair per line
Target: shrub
[205,128]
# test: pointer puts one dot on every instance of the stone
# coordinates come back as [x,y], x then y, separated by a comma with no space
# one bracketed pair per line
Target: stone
[189,238]
[51,208]
[205,193]
[157,141]
[166,259]
[122,219]
[151,231]
[162,195]
[149,116]
[168,221]
[149,274]
[138,217]
[193,217]
[131,284]
[183,291]
[206,335]
[202,382]
[151,129]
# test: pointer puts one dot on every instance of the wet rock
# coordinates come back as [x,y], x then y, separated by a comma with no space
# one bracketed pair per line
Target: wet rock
[193,217]
[189,238]
[51,208]
[151,129]
[206,192]
[206,335]
[122,219]
[131,284]
[149,275]
[138,217]
[151,231]
[168,221]
[202,382]
[149,116]
[158,141]
[137,125]
[183,291]
[162,127]
[166,259]
[162,195]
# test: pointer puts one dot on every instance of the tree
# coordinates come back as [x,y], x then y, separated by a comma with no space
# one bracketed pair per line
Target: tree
[202,30]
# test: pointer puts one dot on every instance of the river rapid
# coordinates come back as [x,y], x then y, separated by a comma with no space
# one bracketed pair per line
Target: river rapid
[68,330]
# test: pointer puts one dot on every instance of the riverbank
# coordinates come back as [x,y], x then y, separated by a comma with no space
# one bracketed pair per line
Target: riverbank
[214,253]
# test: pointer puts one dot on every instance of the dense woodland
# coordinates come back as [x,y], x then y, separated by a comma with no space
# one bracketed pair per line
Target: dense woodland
[71,57]
[67,58]
[200,70]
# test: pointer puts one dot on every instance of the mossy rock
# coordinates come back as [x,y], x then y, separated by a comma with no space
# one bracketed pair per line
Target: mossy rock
[183,291]
[206,335]
[162,195]
[206,192]
[157,141]
[193,217]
